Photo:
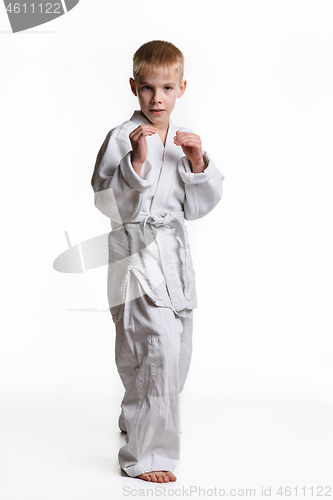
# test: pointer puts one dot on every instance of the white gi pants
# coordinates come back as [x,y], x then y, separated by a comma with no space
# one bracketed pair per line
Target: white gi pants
[153,353]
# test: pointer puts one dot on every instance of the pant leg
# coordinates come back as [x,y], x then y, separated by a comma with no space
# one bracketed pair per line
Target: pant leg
[185,350]
[184,360]
[148,347]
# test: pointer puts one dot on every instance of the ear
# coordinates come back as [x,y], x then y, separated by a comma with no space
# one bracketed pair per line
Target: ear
[182,88]
[133,86]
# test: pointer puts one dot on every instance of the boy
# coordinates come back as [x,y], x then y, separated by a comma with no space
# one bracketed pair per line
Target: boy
[148,177]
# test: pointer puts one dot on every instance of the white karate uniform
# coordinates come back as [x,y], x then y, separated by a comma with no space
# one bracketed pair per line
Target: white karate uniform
[151,283]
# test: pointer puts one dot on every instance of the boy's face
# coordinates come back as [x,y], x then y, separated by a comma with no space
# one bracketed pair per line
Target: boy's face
[157,93]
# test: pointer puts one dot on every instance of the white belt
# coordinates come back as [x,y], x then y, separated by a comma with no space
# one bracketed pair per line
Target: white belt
[175,220]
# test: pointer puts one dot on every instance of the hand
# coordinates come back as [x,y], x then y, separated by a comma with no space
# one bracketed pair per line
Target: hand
[139,145]
[191,145]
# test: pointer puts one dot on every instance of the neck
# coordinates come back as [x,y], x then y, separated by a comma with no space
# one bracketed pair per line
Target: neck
[162,130]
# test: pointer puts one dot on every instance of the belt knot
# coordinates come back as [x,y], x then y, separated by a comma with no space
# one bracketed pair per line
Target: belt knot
[157,221]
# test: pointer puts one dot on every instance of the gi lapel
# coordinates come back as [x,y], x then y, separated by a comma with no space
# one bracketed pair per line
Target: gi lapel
[164,181]
[165,163]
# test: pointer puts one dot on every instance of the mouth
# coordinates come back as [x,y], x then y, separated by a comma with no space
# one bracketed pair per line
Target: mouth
[157,111]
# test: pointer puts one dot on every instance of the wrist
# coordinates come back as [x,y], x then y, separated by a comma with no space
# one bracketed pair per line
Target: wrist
[199,167]
[137,165]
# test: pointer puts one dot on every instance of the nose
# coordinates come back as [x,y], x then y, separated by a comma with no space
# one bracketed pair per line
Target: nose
[156,98]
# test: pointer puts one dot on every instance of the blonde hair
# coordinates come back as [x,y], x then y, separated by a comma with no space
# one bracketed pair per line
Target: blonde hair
[157,54]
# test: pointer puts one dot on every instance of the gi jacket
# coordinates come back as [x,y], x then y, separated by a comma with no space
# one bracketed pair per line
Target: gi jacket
[148,245]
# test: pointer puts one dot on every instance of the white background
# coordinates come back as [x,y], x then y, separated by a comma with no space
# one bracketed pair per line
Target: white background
[257,407]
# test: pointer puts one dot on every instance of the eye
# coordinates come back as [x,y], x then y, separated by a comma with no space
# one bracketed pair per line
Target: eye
[146,87]
[168,88]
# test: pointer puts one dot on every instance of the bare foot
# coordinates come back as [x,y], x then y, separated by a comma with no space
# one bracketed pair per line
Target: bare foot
[160,476]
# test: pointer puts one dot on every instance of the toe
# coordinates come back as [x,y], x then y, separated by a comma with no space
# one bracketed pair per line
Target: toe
[158,476]
[171,476]
[145,477]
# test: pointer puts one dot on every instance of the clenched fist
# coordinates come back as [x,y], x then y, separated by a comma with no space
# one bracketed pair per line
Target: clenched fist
[191,146]
[139,145]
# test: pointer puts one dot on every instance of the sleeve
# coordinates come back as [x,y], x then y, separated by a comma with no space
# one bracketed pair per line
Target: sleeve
[119,191]
[203,190]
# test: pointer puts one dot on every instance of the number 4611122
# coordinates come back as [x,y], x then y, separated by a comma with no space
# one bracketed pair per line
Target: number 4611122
[49,8]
